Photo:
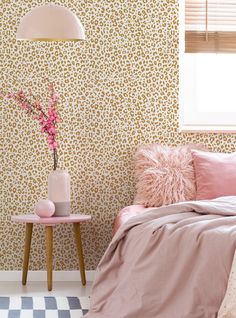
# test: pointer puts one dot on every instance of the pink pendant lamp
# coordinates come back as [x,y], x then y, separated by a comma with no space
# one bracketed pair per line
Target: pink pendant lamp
[50,23]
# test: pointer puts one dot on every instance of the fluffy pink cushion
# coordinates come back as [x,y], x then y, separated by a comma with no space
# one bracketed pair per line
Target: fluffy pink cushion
[164,175]
[215,174]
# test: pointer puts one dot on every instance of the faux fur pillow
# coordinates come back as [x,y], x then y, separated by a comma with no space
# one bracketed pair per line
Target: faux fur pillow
[164,175]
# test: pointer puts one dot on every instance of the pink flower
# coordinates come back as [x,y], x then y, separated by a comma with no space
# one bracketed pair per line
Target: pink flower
[52,130]
[24,106]
[54,145]
[47,122]
[50,139]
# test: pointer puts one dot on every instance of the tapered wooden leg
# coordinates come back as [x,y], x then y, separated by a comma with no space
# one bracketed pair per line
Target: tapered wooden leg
[80,252]
[49,254]
[28,237]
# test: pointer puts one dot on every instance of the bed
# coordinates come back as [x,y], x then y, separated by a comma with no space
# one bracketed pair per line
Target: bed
[127,213]
[172,261]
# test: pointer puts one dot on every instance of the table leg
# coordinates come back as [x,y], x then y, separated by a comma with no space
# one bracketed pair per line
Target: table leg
[80,251]
[49,254]
[28,237]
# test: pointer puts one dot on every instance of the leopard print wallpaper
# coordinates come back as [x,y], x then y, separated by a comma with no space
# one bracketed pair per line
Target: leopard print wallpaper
[118,89]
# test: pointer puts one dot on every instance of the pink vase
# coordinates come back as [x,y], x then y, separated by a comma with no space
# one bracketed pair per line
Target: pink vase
[59,191]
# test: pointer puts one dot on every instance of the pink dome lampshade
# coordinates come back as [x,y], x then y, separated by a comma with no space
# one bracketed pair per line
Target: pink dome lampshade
[50,23]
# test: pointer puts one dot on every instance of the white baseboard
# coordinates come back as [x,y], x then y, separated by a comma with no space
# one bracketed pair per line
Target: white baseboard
[41,276]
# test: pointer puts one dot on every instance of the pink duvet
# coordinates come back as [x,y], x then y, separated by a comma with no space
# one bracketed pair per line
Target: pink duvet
[170,262]
[127,213]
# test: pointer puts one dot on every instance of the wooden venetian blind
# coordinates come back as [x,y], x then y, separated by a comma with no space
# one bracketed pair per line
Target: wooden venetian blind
[210,26]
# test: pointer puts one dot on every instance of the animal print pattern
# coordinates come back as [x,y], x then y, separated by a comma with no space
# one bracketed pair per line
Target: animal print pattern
[118,89]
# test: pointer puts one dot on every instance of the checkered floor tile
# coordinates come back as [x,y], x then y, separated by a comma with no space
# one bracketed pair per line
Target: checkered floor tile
[43,307]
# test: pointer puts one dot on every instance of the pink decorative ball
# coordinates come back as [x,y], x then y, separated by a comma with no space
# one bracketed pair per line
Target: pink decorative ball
[45,208]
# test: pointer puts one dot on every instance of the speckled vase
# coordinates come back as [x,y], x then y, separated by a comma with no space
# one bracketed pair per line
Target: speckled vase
[59,191]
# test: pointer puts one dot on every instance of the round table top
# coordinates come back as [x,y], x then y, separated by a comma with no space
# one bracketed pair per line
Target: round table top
[33,218]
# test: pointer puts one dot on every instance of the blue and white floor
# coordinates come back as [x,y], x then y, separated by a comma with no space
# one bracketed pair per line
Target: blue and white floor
[67,300]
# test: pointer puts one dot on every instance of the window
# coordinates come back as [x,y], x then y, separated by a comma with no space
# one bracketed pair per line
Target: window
[208,65]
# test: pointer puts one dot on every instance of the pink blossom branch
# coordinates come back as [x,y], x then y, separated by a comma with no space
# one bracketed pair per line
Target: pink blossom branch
[47,122]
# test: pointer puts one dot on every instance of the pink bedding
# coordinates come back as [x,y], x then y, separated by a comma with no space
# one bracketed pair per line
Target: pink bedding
[170,262]
[127,213]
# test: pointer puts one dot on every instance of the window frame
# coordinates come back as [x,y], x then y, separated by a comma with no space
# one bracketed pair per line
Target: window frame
[191,120]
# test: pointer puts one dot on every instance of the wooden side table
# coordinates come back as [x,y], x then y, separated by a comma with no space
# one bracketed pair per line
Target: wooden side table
[48,223]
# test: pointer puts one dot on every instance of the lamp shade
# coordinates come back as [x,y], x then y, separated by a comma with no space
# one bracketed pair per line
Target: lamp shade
[50,23]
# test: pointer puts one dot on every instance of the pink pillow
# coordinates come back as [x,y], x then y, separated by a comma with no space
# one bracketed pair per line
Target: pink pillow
[215,174]
[164,175]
